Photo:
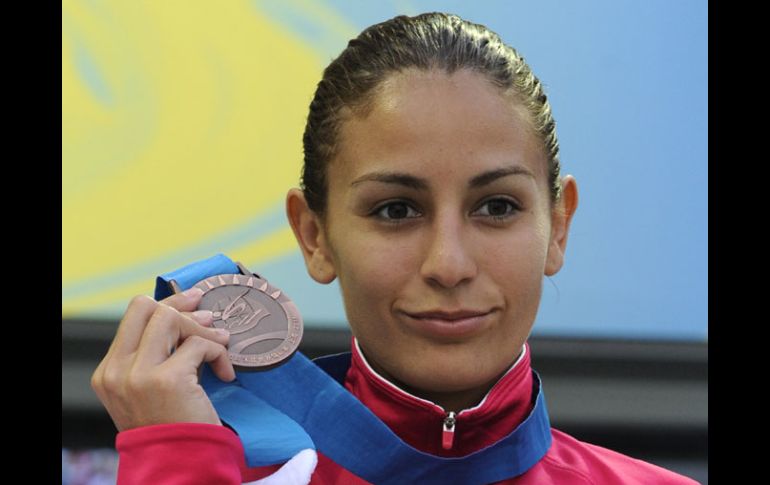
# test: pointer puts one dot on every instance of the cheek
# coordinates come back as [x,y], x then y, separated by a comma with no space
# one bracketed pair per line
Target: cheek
[522,248]
[517,263]
[372,270]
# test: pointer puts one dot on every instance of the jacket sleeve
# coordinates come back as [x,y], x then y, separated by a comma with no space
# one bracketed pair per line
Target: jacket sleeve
[179,454]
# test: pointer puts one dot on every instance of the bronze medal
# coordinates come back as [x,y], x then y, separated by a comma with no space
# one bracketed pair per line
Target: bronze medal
[264,324]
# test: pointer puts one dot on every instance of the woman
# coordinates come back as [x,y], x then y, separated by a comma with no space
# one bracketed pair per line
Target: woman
[432,191]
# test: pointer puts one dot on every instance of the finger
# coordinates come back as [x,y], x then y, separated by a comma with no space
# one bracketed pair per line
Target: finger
[129,333]
[196,350]
[139,312]
[203,317]
[185,301]
[166,328]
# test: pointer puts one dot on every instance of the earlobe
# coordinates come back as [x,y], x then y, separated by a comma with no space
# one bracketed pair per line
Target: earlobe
[561,218]
[312,241]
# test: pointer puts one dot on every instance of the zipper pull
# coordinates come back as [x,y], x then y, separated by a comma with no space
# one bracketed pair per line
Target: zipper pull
[448,434]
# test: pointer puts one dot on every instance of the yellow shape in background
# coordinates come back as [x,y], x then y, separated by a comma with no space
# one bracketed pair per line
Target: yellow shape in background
[255,253]
[180,121]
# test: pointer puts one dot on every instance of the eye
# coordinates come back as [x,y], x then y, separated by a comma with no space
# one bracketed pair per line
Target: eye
[396,211]
[497,208]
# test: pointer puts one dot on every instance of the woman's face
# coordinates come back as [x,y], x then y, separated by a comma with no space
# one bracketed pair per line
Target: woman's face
[440,230]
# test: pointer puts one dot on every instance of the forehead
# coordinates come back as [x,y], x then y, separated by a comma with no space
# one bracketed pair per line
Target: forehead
[428,122]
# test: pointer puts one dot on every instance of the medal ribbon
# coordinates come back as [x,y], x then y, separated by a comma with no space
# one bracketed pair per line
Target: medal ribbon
[298,405]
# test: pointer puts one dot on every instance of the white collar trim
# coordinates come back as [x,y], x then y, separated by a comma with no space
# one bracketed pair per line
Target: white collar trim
[398,389]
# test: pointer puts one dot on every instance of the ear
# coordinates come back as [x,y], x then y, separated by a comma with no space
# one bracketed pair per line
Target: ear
[561,217]
[308,230]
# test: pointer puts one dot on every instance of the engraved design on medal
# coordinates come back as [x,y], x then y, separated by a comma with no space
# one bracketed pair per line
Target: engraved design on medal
[264,324]
[241,314]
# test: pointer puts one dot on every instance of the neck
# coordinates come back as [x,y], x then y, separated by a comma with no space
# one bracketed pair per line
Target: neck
[449,400]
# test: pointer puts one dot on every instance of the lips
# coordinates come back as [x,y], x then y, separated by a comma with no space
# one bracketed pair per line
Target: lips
[449,324]
[449,316]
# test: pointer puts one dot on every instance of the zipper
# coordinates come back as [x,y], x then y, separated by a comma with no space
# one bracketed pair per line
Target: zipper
[448,433]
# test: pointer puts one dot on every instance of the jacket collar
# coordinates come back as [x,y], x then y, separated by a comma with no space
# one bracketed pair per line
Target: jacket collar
[422,423]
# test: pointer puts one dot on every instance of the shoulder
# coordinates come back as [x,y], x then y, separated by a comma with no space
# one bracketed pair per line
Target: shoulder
[600,465]
[579,462]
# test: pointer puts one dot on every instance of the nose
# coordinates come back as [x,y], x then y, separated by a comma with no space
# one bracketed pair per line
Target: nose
[448,259]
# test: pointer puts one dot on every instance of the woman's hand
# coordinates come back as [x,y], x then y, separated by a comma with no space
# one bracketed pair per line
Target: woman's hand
[150,373]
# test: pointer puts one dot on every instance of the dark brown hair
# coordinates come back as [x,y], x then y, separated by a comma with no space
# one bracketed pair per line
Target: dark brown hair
[427,41]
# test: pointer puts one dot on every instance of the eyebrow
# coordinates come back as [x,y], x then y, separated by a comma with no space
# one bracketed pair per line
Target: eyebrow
[490,176]
[412,182]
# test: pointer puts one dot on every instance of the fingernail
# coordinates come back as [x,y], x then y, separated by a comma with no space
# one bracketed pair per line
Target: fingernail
[222,331]
[203,315]
[194,291]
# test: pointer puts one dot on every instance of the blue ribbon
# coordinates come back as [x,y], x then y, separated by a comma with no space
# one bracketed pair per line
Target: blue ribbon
[302,404]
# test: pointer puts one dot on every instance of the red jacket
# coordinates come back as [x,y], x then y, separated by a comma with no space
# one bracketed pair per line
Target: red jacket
[191,453]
